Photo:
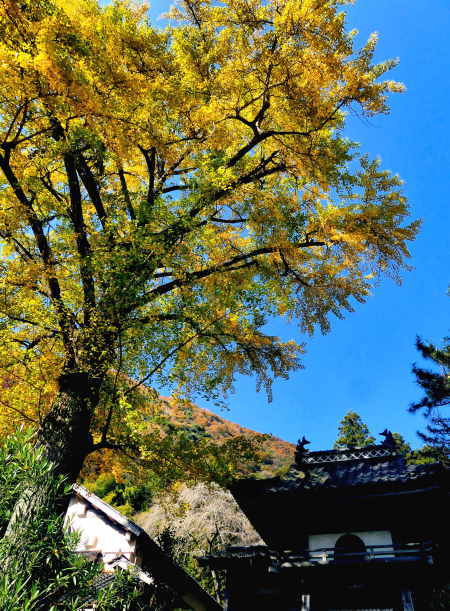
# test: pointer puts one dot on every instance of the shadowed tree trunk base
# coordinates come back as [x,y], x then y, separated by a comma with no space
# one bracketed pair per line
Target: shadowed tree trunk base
[66,439]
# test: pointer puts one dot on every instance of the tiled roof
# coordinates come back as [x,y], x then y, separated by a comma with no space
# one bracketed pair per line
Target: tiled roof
[107,510]
[261,554]
[363,453]
[241,552]
[350,473]
[380,472]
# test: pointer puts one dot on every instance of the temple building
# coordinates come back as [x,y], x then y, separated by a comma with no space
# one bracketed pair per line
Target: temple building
[356,529]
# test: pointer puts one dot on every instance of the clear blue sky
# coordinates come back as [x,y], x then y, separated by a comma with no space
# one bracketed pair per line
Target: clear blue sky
[364,363]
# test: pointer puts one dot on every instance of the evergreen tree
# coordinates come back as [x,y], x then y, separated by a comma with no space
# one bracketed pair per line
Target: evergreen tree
[436,385]
[421,456]
[402,446]
[353,433]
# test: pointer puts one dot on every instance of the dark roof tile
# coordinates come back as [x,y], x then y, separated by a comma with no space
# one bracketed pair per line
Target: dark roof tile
[353,473]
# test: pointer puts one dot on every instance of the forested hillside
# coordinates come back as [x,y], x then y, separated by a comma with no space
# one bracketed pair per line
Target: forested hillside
[224,448]
[203,423]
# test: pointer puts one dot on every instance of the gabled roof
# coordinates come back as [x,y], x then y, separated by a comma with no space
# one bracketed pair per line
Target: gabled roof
[356,488]
[160,565]
[108,511]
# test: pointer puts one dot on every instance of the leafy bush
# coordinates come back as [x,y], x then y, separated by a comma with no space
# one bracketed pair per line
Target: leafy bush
[104,484]
[37,556]
[127,497]
[40,569]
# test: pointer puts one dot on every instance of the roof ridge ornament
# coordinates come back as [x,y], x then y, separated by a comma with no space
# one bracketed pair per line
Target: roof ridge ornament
[333,456]
[301,451]
[387,449]
[389,440]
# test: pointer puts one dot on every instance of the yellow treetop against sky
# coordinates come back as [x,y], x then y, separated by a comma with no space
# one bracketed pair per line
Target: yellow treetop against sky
[163,191]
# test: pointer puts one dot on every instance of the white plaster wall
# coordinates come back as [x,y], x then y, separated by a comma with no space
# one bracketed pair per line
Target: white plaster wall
[97,533]
[369,537]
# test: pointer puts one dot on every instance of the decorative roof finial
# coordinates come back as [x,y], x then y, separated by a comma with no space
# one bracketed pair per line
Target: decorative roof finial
[389,440]
[300,450]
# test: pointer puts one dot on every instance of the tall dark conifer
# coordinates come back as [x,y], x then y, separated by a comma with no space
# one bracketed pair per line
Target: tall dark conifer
[436,384]
[353,433]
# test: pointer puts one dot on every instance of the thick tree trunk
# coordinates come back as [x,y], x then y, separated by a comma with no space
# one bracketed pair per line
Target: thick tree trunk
[65,431]
[66,438]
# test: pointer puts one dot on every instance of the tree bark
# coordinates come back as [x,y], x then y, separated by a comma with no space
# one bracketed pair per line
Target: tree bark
[66,439]
[65,431]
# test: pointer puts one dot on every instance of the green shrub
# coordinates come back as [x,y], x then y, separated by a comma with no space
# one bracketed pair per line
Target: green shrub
[104,484]
[125,497]
[40,569]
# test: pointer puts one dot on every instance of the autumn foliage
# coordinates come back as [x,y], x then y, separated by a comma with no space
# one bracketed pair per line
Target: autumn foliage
[164,191]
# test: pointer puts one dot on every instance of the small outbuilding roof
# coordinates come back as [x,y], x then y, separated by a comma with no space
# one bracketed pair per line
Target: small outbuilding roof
[108,511]
[154,560]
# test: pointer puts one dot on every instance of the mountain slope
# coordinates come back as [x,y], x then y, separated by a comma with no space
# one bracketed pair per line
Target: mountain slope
[200,422]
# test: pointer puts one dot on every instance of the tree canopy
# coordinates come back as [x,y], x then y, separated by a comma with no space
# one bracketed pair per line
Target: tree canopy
[353,433]
[164,191]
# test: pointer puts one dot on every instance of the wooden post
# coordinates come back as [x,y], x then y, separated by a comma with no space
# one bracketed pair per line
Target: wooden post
[407,600]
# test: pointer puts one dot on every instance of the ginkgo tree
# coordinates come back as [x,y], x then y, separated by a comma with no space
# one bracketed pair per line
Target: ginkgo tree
[164,191]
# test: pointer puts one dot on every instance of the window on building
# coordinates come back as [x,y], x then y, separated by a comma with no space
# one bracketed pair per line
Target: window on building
[349,548]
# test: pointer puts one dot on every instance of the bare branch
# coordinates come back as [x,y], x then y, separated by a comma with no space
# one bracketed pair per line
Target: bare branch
[126,194]
[83,247]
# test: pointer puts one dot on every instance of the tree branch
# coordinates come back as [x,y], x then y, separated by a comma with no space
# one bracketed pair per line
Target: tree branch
[27,321]
[175,188]
[169,355]
[90,184]
[30,344]
[230,221]
[18,411]
[21,250]
[64,318]
[83,247]
[150,160]
[13,122]
[223,267]
[126,194]
[259,136]
[46,181]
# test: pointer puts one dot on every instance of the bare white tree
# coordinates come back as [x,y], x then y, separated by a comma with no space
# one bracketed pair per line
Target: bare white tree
[202,518]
